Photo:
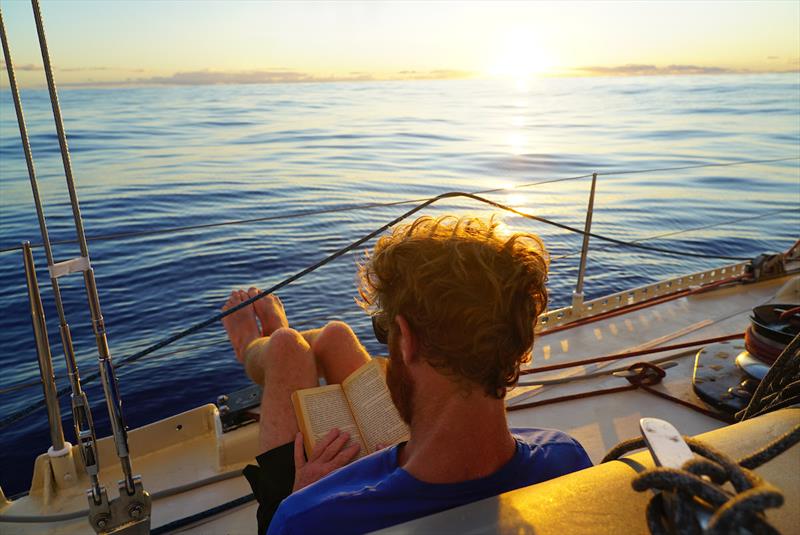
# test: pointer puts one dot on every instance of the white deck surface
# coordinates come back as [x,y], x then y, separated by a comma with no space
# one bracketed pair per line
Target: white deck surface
[167,456]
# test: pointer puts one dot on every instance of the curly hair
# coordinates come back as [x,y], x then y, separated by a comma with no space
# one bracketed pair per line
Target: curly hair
[470,292]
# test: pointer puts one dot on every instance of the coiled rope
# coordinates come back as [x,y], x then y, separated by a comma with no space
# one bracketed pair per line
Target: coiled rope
[780,387]
[702,477]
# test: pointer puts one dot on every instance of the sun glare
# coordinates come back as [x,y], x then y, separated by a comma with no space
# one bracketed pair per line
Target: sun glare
[517,143]
[520,58]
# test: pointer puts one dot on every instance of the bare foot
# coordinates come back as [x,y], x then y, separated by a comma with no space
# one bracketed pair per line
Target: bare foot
[270,312]
[241,326]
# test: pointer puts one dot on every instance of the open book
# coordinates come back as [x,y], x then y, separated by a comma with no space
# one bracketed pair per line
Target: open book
[361,406]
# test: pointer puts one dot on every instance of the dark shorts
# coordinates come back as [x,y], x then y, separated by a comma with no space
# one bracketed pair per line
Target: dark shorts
[272,481]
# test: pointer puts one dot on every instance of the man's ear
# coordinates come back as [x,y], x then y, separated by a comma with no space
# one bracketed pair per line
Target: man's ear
[409,344]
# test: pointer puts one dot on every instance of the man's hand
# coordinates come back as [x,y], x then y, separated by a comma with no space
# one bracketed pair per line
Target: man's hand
[326,457]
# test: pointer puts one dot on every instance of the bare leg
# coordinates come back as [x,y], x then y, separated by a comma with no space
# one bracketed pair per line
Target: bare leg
[288,365]
[336,348]
[338,352]
[282,363]
[283,360]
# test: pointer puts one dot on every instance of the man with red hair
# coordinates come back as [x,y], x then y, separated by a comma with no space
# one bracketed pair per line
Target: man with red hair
[456,300]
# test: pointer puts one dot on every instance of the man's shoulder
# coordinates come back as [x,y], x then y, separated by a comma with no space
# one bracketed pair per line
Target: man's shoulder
[543,437]
[552,451]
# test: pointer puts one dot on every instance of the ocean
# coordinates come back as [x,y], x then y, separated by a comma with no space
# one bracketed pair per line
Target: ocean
[320,166]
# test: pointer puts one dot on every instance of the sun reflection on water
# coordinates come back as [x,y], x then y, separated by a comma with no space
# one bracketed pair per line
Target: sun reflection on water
[517,143]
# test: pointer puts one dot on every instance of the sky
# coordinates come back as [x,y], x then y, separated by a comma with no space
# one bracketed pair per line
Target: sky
[237,41]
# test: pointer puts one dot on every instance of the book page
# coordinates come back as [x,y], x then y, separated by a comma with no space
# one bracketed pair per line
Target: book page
[321,409]
[372,406]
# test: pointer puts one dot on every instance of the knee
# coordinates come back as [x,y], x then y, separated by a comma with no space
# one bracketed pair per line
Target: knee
[285,350]
[285,340]
[336,333]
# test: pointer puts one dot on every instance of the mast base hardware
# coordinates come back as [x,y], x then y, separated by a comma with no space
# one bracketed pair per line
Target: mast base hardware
[63,464]
[76,265]
[239,408]
[126,515]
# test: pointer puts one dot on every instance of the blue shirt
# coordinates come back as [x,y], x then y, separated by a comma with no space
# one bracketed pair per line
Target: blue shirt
[374,492]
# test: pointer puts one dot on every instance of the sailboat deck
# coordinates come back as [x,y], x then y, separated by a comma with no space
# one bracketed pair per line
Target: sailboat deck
[601,422]
[190,447]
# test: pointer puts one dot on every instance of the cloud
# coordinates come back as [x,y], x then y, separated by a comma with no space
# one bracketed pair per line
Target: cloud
[436,74]
[269,76]
[85,69]
[26,67]
[97,69]
[633,69]
[32,67]
[284,76]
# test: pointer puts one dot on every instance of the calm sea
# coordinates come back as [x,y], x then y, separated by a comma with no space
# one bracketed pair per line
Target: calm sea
[160,157]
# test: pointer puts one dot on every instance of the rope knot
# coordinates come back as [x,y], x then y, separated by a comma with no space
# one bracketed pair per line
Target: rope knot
[647,374]
[702,478]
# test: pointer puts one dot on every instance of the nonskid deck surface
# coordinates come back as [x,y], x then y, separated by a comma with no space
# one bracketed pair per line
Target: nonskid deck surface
[601,422]
[189,447]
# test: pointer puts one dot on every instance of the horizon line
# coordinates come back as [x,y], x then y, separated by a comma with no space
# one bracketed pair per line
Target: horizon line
[290,76]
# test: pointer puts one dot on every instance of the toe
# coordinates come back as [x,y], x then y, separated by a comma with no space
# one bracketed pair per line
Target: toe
[232,300]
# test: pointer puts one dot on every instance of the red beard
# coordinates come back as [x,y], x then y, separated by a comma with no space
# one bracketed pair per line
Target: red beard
[401,386]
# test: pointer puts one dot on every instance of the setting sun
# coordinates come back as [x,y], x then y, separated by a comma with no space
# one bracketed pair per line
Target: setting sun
[520,57]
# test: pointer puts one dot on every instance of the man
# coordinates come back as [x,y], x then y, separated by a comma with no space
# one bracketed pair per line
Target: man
[457,302]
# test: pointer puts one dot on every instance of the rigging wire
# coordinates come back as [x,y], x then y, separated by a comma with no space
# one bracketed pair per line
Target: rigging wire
[20,386]
[680,168]
[684,231]
[368,206]
[219,340]
[210,321]
[294,215]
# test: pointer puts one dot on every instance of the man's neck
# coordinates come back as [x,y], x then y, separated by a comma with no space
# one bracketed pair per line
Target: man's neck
[456,438]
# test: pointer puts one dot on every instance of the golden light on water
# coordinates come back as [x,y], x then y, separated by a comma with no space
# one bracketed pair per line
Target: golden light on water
[516,200]
[517,143]
[498,183]
[502,230]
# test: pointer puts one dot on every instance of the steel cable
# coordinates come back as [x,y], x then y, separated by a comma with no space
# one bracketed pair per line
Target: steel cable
[212,320]
[368,206]
[684,231]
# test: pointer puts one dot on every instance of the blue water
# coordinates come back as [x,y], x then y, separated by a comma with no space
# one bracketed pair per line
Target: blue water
[151,158]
